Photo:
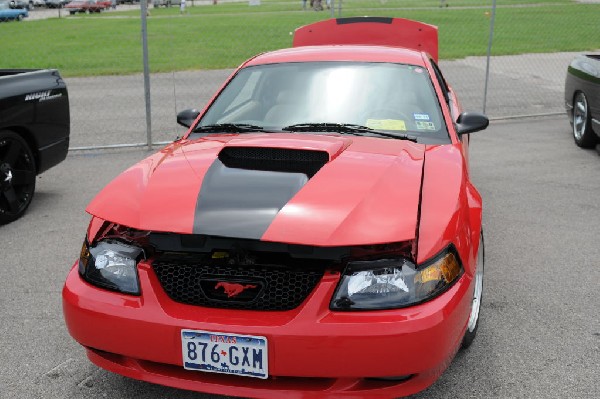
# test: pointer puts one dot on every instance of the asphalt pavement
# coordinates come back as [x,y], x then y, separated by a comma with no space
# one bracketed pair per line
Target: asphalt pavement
[539,335]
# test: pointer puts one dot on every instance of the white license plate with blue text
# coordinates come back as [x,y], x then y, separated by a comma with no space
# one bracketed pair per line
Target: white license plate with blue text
[214,352]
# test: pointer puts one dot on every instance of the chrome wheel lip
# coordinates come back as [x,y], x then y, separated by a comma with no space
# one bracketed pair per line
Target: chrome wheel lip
[477,293]
[580,116]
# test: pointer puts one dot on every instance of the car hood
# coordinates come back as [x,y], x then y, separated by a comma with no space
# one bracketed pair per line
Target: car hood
[309,189]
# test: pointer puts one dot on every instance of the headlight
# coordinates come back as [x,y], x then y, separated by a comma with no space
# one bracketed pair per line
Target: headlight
[394,283]
[112,265]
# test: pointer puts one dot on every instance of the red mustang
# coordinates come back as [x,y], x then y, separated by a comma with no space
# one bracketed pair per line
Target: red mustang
[315,233]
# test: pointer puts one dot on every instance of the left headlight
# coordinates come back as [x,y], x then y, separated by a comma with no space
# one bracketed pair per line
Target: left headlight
[395,283]
[112,265]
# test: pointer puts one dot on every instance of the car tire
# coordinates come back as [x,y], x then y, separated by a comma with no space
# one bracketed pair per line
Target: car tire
[473,323]
[17,176]
[20,17]
[582,122]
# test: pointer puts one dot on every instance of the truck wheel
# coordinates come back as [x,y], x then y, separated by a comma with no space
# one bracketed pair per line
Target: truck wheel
[17,176]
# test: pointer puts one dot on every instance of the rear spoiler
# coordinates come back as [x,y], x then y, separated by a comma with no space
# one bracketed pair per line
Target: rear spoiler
[383,31]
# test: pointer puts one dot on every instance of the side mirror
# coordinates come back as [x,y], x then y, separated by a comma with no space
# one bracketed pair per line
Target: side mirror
[187,117]
[470,122]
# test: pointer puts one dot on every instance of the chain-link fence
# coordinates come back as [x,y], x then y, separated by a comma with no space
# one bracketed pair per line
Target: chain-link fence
[192,48]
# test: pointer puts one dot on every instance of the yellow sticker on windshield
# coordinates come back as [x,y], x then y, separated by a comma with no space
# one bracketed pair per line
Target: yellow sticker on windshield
[386,124]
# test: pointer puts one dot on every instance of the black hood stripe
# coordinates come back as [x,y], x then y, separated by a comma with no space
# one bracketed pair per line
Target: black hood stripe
[242,203]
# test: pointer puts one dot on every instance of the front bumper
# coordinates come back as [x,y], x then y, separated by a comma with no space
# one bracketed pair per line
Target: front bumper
[313,352]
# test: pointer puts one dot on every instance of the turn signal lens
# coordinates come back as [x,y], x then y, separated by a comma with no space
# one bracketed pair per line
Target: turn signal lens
[84,257]
[447,268]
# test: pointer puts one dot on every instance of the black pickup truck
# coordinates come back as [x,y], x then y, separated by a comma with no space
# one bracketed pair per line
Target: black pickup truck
[34,133]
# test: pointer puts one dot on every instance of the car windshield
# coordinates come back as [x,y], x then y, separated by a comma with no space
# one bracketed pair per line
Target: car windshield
[316,96]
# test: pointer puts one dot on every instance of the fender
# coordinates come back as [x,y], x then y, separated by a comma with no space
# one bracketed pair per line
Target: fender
[450,207]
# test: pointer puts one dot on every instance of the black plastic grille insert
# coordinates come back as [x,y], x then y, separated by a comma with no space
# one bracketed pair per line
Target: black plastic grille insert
[281,287]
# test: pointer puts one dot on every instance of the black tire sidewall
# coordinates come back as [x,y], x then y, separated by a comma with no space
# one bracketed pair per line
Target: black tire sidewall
[469,336]
[588,138]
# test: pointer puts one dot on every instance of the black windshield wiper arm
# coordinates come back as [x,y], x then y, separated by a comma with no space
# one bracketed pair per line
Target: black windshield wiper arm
[345,128]
[228,127]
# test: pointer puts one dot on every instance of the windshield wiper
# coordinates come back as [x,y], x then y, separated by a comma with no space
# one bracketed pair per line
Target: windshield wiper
[348,128]
[228,127]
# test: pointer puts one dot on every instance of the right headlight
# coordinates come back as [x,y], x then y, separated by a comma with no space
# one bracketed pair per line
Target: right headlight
[112,265]
[395,283]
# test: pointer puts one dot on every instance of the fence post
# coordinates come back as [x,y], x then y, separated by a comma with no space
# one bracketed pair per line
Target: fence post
[144,11]
[489,53]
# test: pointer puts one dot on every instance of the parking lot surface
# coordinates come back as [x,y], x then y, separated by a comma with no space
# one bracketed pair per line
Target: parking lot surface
[540,331]
[45,13]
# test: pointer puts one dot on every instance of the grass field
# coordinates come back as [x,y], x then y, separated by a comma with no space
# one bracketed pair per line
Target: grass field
[222,36]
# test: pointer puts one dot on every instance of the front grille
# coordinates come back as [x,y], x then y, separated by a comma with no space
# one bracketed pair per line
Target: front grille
[281,287]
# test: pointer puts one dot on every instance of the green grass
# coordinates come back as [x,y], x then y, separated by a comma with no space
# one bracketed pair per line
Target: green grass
[214,37]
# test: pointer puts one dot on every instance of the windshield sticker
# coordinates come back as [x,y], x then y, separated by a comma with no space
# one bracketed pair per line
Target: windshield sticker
[421,117]
[425,125]
[386,124]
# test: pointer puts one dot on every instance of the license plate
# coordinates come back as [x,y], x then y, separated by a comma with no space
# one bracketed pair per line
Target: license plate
[215,352]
